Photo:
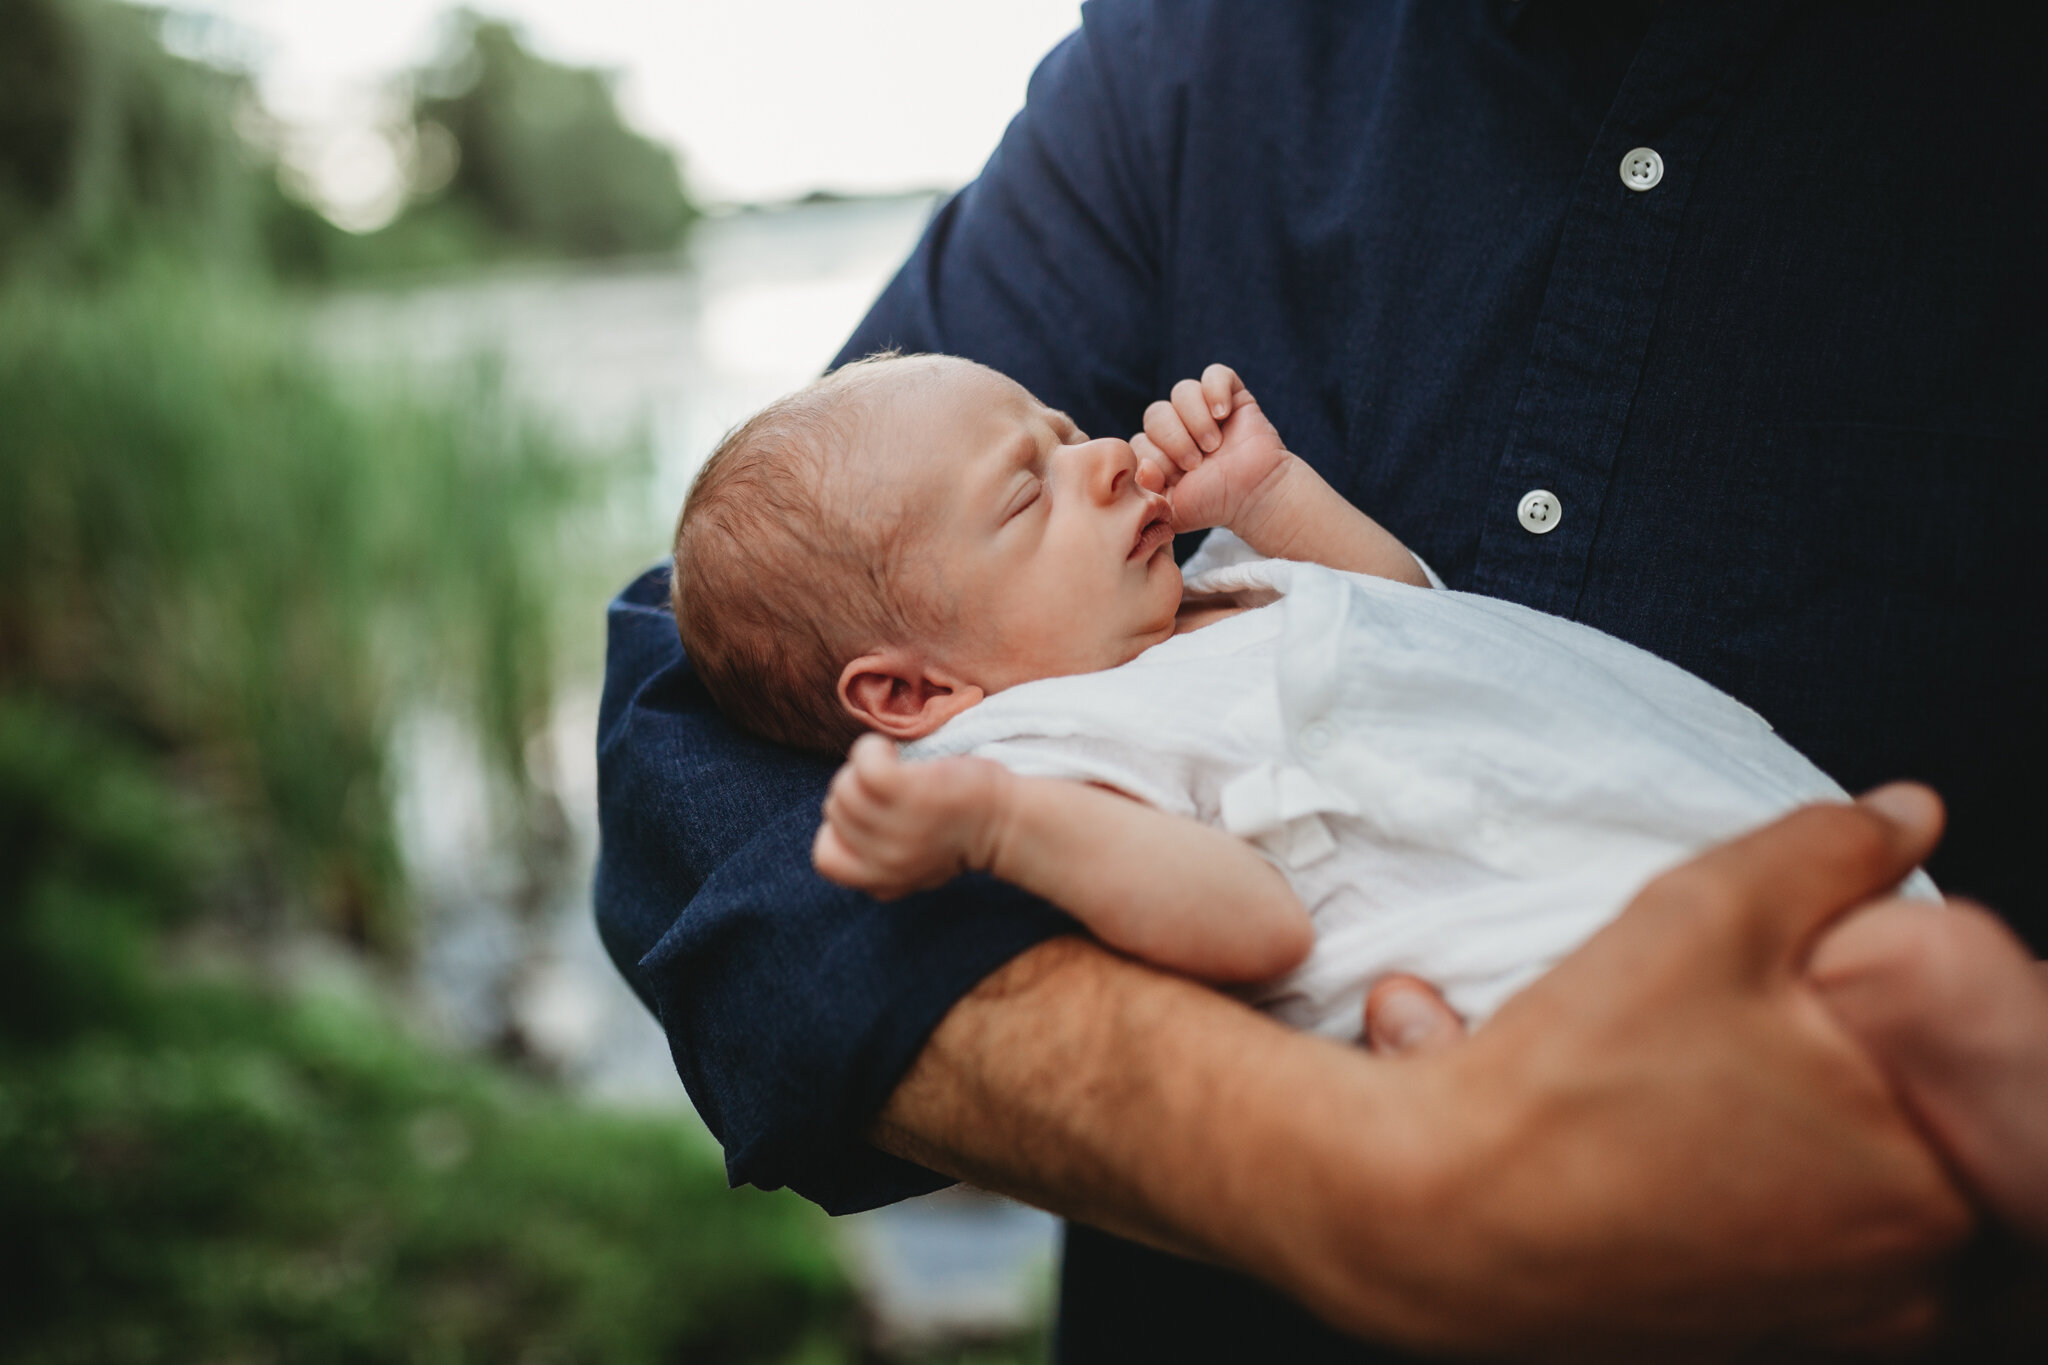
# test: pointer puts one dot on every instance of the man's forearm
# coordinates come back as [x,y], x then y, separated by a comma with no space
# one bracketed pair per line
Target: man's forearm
[1154,1108]
[1664,1139]
[1161,1111]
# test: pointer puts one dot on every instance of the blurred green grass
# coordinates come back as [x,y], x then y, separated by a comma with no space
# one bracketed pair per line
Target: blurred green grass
[225,570]
[195,1167]
[251,563]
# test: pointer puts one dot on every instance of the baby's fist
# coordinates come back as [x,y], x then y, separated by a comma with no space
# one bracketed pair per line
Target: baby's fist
[892,828]
[1209,449]
[1188,425]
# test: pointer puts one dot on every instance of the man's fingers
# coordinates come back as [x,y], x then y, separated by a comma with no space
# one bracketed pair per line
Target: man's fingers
[1193,407]
[1167,432]
[1777,888]
[1915,809]
[1405,1017]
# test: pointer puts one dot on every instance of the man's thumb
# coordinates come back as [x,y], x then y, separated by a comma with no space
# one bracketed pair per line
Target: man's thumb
[1777,888]
[1914,809]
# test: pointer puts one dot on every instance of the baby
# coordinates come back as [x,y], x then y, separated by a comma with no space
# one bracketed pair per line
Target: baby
[1299,769]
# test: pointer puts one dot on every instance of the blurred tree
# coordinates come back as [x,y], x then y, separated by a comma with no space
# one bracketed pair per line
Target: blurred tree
[541,159]
[110,145]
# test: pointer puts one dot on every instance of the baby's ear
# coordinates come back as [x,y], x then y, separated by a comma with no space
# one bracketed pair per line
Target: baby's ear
[899,696]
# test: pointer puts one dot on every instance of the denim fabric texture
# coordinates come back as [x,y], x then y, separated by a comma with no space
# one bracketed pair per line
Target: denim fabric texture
[1790,400]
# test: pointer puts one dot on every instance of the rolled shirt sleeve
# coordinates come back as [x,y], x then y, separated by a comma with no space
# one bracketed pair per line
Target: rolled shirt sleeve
[792,1006]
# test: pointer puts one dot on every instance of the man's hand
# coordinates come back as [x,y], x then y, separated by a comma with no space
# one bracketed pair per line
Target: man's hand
[1947,1000]
[1665,1146]
[1210,450]
[892,827]
[1955,1010]
[1679,1085]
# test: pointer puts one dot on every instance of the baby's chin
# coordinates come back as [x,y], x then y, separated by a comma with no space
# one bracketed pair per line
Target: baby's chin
[1165,629]
[1173,598]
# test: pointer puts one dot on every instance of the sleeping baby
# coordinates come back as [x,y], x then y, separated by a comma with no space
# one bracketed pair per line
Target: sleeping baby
[1295,769]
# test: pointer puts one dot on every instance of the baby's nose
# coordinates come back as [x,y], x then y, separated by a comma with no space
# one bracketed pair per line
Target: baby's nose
[1112,466]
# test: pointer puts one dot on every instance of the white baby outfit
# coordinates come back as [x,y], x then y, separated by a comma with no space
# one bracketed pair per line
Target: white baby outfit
[1456,786]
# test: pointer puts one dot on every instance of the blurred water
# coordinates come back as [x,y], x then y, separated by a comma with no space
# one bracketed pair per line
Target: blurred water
[677,350]
[757,303]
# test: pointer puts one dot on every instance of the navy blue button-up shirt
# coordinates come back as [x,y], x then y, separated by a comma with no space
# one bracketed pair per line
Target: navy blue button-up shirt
[1790,402]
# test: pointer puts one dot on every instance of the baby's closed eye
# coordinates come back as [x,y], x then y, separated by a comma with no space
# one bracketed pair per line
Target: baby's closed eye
[1029,491]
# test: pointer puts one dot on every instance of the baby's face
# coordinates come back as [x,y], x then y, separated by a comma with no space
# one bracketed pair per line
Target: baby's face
[1046,556]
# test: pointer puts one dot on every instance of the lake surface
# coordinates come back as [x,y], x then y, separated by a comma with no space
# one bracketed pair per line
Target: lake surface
[672,352]
[679,347]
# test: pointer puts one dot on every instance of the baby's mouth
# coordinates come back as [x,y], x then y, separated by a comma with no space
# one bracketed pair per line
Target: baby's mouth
[1157,531]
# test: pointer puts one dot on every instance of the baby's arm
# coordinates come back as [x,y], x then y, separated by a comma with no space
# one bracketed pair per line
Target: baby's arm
[1160,887]
[1212,451]
[1956,1011]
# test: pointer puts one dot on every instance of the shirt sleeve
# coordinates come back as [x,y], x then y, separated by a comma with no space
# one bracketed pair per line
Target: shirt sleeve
[1048,266]
[792,1006]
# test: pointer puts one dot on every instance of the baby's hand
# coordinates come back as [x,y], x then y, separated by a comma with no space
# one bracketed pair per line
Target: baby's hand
[892,827]
[1210,450]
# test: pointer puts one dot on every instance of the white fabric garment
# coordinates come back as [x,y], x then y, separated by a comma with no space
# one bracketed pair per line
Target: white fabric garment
[1456,786]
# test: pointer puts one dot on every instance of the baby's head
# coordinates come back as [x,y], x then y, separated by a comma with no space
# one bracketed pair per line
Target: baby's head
[884,548]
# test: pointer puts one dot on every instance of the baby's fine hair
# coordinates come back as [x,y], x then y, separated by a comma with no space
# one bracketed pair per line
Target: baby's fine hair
[779,580]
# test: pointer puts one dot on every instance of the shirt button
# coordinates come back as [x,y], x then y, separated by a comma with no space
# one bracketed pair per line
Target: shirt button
[1317,737]
[1540,511]
[1641,169]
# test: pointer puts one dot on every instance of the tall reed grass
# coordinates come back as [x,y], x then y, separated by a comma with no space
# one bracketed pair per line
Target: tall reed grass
[213,541]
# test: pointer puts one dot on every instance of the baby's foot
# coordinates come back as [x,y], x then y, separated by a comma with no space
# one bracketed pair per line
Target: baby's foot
[1955,1009]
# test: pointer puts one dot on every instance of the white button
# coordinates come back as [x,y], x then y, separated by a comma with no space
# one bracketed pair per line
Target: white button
[1641,169]
[1317,736]
[1540,511]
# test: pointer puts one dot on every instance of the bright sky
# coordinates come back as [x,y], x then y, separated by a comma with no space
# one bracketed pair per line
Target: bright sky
[767,99]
